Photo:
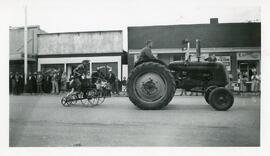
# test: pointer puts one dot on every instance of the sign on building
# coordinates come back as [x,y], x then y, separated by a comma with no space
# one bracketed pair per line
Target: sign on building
[226,60]
[248,56]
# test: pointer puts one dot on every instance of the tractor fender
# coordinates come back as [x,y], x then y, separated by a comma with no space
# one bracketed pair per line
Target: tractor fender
[150,60]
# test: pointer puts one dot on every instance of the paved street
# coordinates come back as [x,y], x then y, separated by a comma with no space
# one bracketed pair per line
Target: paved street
[186,121]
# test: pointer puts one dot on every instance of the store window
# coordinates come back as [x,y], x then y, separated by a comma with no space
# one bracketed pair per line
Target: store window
[105,67]
[52,67]
[178,57]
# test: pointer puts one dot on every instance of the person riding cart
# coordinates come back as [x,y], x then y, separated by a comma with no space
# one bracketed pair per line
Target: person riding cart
[78,72]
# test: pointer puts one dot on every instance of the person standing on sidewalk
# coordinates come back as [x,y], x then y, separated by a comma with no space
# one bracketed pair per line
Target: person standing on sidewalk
[16,77]
[21,83]
[64,82]
[29,83]
[54,81]
[124,85]
[13,84]
[34,82]
[255,83]
[39,82]
[111,79]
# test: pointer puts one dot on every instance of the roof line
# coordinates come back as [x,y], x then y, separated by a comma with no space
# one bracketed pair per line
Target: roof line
[22,27]
[192,24]
[75,32]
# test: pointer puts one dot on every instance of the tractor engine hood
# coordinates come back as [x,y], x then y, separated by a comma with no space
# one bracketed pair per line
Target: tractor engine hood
[218,70]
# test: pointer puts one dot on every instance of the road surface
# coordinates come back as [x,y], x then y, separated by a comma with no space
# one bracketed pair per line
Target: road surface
[41,121]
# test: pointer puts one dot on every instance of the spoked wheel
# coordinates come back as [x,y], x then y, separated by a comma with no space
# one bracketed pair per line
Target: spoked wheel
[207,92]
[93,97]
[74,99]
[64,102]
[101,97]
[69,100]
[85,100]
[221,99]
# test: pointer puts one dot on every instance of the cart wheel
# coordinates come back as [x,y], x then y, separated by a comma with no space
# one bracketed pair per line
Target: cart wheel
[68,100]
[71,99]
[101,97]
[64,102]
[84,100]
[79,97]
[93,97]
[74,98]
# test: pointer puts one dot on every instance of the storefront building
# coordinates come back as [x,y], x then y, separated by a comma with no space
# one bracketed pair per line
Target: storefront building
[236,45]
[64,51]
[16,48]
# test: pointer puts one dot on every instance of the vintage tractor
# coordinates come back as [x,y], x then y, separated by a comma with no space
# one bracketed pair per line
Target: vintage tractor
[152,83]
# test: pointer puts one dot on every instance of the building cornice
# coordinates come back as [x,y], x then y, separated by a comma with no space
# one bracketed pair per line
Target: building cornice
[203,50]
[80,55]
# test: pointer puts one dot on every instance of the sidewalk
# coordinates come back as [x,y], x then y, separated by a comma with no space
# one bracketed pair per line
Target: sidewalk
[122,94]
[235,93]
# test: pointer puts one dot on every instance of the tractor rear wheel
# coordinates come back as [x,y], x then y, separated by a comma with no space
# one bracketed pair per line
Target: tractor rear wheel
[221,99]
[151,86]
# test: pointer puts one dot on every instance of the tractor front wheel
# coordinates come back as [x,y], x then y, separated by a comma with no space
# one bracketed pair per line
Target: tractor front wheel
[207,92]
[221,99]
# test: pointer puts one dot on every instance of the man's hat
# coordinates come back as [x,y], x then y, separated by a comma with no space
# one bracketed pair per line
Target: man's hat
[148,41]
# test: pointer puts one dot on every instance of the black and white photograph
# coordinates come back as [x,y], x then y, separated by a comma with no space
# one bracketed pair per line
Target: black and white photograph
[134,73]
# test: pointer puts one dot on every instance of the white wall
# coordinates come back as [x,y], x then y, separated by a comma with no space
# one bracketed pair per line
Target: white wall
[80,43]
[96,59]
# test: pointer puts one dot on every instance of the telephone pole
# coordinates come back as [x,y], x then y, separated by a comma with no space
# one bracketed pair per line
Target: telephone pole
[25,45]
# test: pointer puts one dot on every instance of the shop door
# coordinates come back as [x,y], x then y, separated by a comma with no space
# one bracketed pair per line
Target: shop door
[248,67]
[244,67]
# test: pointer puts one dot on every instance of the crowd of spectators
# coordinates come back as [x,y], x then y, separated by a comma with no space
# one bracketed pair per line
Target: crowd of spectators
[37,83]
[56,82]
[16,83]
[249,83]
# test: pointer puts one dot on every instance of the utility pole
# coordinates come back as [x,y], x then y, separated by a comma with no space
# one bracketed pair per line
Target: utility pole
[25,45]
[198,49]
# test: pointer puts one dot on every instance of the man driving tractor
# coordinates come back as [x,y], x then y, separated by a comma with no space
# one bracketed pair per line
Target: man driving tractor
[146,52]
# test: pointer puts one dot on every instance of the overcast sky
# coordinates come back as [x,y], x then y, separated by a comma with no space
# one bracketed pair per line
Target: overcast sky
[88,15]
